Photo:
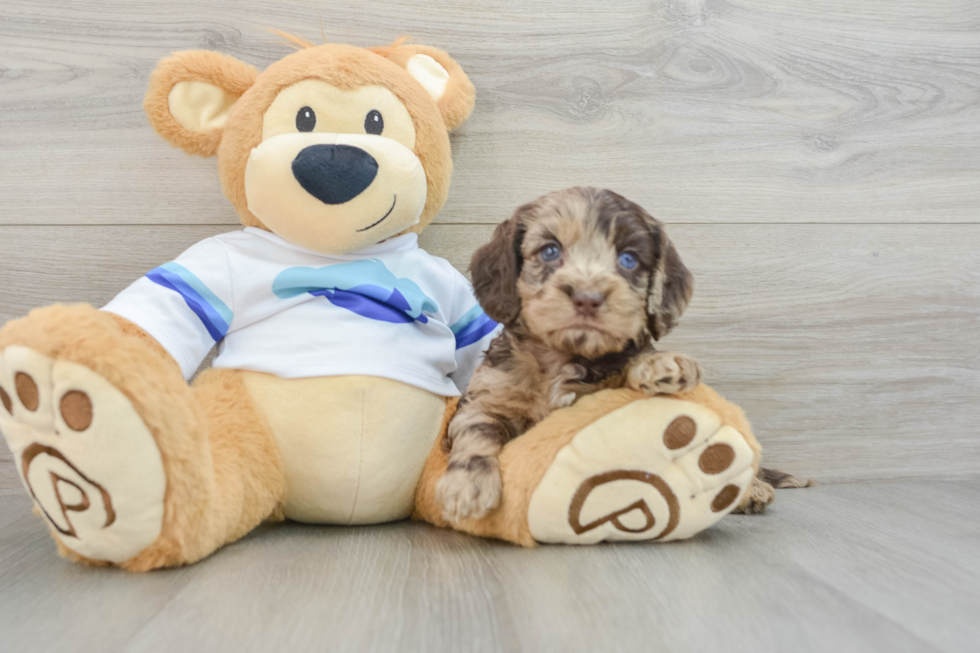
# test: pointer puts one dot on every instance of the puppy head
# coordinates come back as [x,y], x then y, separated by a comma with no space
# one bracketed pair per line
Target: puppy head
[586,270]
[333,147]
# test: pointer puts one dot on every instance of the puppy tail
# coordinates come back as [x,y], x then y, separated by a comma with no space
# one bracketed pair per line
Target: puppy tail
[781,480]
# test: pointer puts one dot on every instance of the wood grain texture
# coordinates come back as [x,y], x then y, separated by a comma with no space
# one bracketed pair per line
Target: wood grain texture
[852,348]
[817,162]
[702,110]
[865,567]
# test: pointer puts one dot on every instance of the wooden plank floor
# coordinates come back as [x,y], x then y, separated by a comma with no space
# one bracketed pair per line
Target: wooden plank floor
[884,566]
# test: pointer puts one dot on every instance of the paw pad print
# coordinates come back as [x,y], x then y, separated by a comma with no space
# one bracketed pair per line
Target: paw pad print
[83,453]
[656,469]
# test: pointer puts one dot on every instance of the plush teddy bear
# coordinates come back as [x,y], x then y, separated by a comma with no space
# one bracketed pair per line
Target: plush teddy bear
[342,346]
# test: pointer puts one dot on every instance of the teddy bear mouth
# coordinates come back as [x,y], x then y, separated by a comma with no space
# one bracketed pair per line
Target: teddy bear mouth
[394,201]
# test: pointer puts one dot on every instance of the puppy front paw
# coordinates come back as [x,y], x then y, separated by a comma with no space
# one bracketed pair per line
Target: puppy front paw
[757,499]
[664,373]
[469,489]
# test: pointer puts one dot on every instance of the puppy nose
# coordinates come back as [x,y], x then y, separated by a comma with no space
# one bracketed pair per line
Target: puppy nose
[587,303]
[334,174]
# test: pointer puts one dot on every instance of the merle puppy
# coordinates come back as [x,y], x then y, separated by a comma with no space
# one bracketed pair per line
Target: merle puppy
[584,281]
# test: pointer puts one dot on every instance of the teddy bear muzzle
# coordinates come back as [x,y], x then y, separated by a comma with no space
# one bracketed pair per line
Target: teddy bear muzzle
[335,193]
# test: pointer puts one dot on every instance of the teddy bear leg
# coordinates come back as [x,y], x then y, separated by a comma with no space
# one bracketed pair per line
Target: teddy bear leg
[618,465]
[247,481]
[125,462]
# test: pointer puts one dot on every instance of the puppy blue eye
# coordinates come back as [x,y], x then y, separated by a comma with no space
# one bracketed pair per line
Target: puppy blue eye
[550,253]
[627,260]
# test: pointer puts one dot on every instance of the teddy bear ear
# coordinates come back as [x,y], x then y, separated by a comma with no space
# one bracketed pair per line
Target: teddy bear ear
[439,75]
[190,96]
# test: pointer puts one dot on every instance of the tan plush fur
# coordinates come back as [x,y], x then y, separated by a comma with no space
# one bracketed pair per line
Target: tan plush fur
[524,460]
[152,383]
[220,461]
[199,66]
[131,329]
[247,473]
[457,101]
[344,66]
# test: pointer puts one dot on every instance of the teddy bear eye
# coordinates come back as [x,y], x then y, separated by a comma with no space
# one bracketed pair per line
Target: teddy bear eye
[373,122]
[305,119]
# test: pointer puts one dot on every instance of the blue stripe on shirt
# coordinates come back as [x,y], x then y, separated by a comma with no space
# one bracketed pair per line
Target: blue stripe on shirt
[214,313]
[472,327]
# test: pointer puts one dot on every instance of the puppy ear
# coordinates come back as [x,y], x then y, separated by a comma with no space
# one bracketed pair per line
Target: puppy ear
[439,75]
[495,268]
[671,287]
[190,96]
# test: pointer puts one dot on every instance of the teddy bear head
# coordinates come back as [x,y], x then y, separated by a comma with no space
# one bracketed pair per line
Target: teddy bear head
[333,148]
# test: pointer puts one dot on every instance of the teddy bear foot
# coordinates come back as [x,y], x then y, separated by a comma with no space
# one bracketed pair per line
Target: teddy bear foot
[84,454]
[679,474]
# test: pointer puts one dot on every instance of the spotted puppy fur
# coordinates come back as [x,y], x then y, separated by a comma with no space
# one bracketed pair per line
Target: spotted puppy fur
[584,281]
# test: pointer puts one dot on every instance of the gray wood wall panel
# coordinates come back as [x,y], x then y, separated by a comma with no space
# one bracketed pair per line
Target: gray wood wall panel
[818,162]
[720,111]
[853,348]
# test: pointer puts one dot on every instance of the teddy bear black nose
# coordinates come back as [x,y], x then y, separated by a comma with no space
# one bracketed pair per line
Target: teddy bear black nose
[334,174]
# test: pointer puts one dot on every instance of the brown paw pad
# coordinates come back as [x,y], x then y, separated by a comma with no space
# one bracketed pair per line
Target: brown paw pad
[680,432]
[76,409]
[724,498]
[716,458]
[5,398]
[27,391]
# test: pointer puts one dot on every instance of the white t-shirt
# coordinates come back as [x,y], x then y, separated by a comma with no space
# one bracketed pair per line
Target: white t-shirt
[391,310]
